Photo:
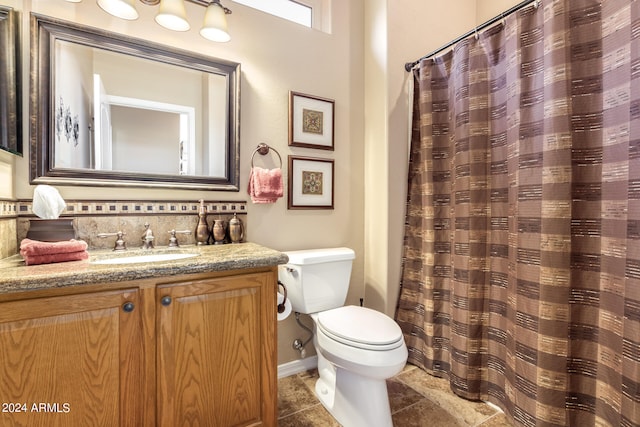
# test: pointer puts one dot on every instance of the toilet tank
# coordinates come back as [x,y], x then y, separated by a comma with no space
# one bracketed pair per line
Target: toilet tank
[317,279]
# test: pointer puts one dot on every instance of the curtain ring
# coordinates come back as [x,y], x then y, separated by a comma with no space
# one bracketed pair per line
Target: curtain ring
[476,31]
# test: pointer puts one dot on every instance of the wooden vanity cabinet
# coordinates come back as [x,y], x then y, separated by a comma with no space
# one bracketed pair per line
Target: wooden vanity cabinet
[185,350]
[216,341]
[73,360]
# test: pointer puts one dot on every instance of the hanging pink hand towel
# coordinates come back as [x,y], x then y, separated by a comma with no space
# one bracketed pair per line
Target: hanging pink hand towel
[265,185]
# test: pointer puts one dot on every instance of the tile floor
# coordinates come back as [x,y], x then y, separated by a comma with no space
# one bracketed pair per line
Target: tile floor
[417,399]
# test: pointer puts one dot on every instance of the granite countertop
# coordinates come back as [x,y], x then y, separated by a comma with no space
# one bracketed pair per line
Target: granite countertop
[15,276]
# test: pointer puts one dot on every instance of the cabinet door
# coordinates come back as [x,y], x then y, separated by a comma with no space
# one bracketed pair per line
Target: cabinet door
[216,352]
[71,361]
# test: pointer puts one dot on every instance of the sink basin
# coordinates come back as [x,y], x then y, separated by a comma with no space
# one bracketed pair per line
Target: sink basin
[133,259]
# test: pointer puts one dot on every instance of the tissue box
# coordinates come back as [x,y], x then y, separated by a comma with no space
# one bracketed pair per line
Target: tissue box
[51,230]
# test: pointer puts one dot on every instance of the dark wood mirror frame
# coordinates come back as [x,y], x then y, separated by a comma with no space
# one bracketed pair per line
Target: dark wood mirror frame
[10,99]
[44,32]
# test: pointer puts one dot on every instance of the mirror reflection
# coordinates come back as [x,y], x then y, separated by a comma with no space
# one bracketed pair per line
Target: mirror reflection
[123,113]
[10,123]
[127,112]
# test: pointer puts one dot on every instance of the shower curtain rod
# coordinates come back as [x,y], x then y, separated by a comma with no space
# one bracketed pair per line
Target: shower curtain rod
[409,65]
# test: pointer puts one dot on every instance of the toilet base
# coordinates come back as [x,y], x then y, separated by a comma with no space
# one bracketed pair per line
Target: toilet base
[353,400]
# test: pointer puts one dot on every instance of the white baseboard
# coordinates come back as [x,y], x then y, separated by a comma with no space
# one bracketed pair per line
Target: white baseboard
[297,366]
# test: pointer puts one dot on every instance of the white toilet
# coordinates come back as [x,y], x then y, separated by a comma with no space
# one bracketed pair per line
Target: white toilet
[358,348]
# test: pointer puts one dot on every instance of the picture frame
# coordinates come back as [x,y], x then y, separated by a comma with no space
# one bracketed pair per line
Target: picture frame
[311,121]
[311,183]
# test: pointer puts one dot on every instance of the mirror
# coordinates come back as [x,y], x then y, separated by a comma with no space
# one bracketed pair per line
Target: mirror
[112,110]
[10,105]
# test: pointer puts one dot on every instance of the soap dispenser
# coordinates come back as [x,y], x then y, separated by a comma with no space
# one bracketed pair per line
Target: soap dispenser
[202,229]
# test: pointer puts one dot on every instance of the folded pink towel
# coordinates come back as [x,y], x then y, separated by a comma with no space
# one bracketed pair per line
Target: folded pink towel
[265,185]
[30,247]
[51,258]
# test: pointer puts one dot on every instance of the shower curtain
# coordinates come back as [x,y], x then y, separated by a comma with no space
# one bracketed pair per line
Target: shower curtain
[521,263]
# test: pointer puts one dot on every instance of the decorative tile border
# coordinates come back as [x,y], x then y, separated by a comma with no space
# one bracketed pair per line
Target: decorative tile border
[134,207]
[8,209]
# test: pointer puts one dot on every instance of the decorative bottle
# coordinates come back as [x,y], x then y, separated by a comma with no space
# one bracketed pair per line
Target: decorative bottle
[236,230]
[218,231]
[202,229]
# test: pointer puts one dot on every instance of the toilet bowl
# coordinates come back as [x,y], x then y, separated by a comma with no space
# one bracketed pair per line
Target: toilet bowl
[358,348]
[353,368]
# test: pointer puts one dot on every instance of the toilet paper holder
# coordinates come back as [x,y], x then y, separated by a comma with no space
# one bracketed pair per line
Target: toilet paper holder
[281,306]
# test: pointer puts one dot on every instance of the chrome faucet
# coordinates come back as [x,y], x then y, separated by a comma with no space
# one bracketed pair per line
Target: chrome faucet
[147,237]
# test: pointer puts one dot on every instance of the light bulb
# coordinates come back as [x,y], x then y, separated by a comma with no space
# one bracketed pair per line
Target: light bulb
[172,15]
[215,24]
[124,9]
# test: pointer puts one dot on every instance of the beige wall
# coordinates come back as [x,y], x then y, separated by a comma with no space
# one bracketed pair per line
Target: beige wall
[7,167]
[8,223]
[487,9]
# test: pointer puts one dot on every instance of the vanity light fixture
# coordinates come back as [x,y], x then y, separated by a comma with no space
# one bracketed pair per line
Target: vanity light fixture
[215,23]
[172,15]
[125,9]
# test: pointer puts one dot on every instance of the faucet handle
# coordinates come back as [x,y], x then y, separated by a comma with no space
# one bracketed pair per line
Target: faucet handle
[120,245]
[147,237]
[173,240]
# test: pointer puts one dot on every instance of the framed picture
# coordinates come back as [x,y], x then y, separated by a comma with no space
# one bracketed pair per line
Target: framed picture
[311,121]
[310,183]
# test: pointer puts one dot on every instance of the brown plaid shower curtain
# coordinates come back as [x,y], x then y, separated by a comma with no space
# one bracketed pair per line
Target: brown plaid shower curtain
[521,265]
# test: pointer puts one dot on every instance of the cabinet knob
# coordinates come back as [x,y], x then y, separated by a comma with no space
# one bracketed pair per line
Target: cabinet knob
[128,306]
[165,300]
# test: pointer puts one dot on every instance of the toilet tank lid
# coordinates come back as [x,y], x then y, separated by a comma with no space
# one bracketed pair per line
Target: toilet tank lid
[317,256]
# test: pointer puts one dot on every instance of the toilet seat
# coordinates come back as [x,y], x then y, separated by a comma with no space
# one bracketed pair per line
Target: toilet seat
[360,327]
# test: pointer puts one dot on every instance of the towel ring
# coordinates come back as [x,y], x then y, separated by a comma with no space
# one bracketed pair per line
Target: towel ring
[264,150]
